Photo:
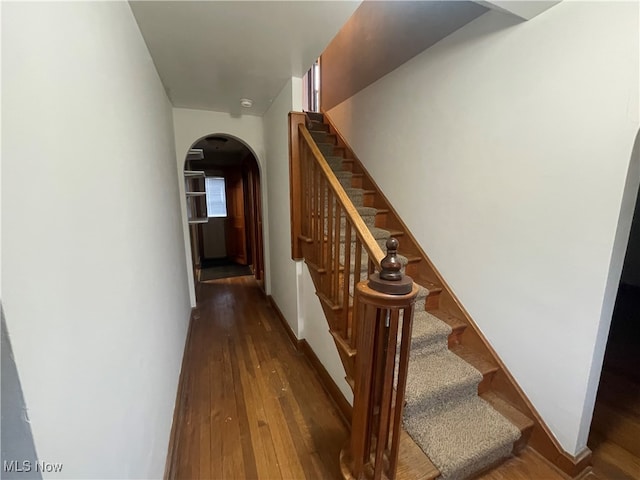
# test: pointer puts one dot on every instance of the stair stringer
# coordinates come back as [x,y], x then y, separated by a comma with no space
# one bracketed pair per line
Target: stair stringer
[347,361]
[446,304]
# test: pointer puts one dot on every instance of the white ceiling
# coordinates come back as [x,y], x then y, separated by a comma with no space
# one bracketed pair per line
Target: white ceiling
[211,54]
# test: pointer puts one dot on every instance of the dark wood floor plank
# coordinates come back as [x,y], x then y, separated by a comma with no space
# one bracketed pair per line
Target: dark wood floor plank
[251,405]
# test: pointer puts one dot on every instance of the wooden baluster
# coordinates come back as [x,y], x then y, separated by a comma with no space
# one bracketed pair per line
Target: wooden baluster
[389,337]
[321,221]
[336,257]
[314,208]
[346,279]
[403,366]
[307,190]
[330,250]
[318,196]
[356,280]
[359,454]
[316,211]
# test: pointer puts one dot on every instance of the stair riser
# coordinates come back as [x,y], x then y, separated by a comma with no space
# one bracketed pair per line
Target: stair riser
[347,164]
[522,441]
[358,198]
[433,301]
[345,179]
[456,337]
[330,149]
[315,116]
[319,127]
[420,346]
[485,384]
[368,199]
[324,137]
[381,219]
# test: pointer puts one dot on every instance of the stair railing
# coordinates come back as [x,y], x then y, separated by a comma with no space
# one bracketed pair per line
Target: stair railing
[370,320]
[337,244]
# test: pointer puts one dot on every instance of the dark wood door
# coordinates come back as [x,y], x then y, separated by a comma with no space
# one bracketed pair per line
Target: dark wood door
[236,220]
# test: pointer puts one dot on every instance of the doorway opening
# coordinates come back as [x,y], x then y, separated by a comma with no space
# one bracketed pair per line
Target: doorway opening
[222,184]
[311,88]
[615,427]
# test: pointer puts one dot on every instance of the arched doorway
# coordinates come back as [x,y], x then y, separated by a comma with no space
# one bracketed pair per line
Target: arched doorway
[222,180]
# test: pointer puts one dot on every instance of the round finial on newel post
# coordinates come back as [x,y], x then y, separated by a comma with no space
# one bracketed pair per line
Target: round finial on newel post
[390,264]
[390,280]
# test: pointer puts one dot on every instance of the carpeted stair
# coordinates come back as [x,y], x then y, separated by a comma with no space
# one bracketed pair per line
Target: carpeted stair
[459,432]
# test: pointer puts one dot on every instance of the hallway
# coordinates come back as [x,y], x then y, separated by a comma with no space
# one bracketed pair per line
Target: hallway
[250,405]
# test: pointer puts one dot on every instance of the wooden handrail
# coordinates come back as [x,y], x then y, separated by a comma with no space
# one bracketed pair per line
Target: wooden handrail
[370,244]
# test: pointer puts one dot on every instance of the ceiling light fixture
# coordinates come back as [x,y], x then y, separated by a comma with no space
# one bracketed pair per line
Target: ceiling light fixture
[246,102]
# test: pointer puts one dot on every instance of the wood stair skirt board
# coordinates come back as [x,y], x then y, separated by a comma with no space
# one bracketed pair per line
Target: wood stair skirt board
[490,389]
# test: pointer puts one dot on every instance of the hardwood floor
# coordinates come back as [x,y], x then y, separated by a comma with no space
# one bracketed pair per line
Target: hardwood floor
[250,406]
[615,429]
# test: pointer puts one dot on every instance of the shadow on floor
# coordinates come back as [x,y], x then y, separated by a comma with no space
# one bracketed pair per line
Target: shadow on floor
[217,268]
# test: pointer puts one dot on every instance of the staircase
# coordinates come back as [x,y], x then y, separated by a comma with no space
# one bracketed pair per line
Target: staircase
[462,408]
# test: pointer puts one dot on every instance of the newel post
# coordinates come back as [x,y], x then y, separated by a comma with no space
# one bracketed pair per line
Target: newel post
[383,308]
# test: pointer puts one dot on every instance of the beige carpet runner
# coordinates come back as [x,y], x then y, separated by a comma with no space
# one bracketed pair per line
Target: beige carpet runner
[459,432]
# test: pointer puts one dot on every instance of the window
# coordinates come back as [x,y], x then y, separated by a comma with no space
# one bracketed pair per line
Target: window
[216,200]
[313,87]
[316,86]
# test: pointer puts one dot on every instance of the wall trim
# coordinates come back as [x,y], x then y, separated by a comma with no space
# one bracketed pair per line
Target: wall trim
[179,403]
[301,345]
[287,328]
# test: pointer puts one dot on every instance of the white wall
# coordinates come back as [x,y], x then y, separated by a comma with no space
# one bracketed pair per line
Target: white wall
[93,268]
[292,286]
[189,127]
[315,329]
[505,149]
[284,280]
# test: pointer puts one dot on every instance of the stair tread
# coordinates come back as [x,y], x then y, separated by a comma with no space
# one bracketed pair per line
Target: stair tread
[434,377]
[428,333]
[367,211]
[454,322]
[424,323]
[478,361]
[351,352]
[432,287]
[411,258]
[464,439]
[508,411]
